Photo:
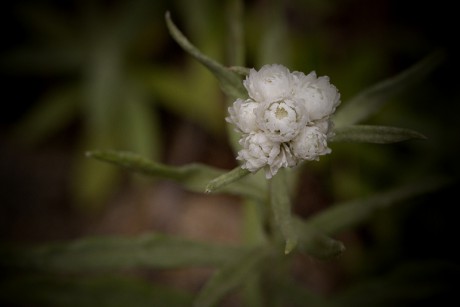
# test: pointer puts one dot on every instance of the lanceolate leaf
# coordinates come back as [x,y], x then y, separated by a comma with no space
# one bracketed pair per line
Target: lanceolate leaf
[194,177]
[75,291]
[349,214]
[109,253]
[52,114]
[230,276]
[225,179]
[315,243]
[229,81]
[374,134]
[368,102]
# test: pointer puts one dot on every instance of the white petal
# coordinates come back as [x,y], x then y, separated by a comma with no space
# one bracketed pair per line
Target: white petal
[320,97]
[309,144]
[242,115]
[282,120]
[270,83]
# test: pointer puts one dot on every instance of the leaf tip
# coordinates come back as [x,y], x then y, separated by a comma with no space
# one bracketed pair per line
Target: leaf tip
[208,190]
[290,245]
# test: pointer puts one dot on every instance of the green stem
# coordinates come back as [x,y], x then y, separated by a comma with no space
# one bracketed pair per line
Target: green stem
[281,210]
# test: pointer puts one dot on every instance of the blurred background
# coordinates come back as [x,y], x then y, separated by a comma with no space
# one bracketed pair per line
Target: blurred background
[82,75]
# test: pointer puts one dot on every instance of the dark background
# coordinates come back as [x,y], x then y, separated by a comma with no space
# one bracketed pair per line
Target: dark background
[357,43]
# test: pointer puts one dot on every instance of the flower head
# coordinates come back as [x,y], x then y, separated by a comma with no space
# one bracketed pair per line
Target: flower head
[270,83]
[281,120]
[286,120]
[320,97]
[242,115]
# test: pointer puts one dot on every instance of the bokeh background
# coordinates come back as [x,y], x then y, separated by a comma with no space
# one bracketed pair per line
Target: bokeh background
[81,75]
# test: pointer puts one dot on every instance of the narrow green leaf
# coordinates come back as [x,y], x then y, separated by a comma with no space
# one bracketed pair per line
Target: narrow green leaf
[109,253]
[227,178]
[411,283]
[315,243]
[243,71]
[368,102]
[138,128]
[194,177]
[52,114]
[76,291]
[281,208]
[229,81]
[206,113]
[235,34]
[230,276]
[348,214]
[374,134]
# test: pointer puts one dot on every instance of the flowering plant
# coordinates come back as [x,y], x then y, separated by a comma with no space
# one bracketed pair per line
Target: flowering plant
[277,119]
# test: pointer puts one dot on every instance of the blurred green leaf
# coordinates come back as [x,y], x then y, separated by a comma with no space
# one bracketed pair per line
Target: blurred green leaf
[349,214]
[189,93]
[109,291]
[91,45]
[194,177]
[217,183]
[139,127]
[369,101]
[274,44]
[417,283]
[230,82]
[374,134]
[244,71]
[314,243]
[109,253]
[281,208]
[235,34]
[230,276]
[52,114]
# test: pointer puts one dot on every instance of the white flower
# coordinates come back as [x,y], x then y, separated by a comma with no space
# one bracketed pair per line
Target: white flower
[320,97]
[259,152]
[286,120]
[270,83]
[309,144]
[281,120]
[242,115]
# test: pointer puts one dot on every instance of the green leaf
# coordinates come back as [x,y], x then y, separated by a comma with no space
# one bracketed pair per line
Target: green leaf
[206,113]
[244,71]
[315,243]
[138,128]
[75,291]
[227,178]
[281,208]
[54,112]
[229,81]
[411,283]
[235,34]
[194,177]
[109,253]
[230,276]
[368,102]
[349,214]
[374,134]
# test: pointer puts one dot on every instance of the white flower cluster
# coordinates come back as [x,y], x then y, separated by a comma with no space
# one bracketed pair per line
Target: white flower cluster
[286,119]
